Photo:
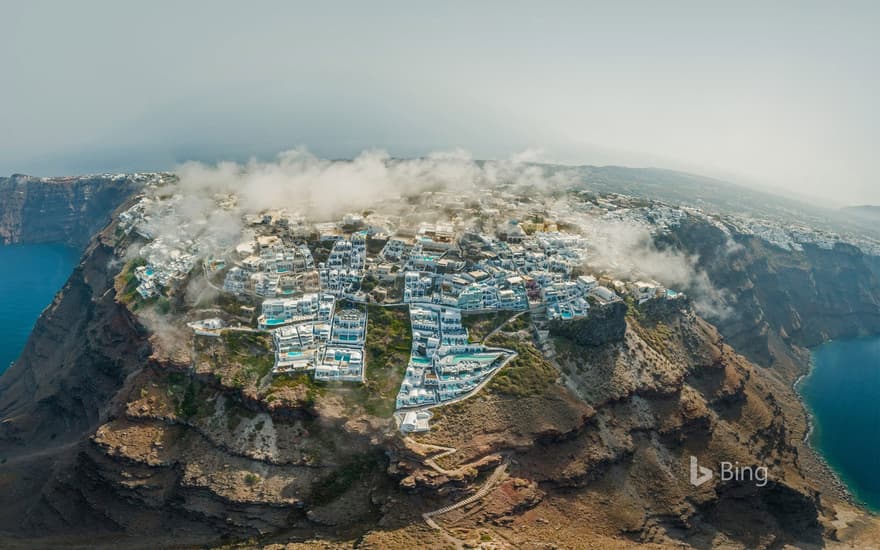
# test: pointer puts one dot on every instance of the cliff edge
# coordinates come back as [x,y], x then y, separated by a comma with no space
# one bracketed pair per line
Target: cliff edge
[67,210]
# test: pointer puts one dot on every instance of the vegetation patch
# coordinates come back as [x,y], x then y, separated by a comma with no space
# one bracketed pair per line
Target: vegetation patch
[301,384]
[388,345]
[657,336]
[127,283]
[251,352]
[251,478]
[481,324]
[185,395]
[529,374]
[341,479]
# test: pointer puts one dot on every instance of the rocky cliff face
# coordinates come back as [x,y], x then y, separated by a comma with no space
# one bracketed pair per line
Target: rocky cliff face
[605,324]
[784,300]
[79,354]
[59,210]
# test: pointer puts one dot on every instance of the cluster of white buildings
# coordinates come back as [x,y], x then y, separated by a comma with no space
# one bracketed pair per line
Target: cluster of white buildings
[568,299]
[444,365]
[267,267]
[794,237]
[395,250]
[282,311]
[522,265]
[331,350]
[534,270]
[468,291]
[343,271]
[164,264]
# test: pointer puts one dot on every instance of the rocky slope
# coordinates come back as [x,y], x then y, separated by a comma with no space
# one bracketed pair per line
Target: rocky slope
[59,210]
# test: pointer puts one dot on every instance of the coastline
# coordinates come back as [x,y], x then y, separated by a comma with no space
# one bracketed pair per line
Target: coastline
[827,472]
[807,412]
[31,276]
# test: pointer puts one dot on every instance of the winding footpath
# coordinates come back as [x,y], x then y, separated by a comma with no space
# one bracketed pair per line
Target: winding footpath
[497,475]
[487,487]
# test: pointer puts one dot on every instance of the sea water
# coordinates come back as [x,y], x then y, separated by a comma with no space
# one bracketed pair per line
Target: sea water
[30,275]
[842,393]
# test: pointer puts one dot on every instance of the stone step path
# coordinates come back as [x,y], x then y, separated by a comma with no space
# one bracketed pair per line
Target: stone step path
[483,491]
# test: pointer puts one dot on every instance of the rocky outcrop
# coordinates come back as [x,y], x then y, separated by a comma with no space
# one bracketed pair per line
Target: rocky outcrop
[605,324]
[59,210]
[662,309]
[673,389]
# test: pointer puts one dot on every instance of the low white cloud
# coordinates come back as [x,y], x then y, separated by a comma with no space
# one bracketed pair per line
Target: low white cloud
[627,250]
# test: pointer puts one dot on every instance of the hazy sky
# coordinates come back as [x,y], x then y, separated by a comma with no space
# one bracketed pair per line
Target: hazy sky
[780,94]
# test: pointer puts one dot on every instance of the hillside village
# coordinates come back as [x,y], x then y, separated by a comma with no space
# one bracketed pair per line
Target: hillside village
[308,284]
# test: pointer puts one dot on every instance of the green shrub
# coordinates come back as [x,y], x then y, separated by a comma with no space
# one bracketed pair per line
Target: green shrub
[251,478]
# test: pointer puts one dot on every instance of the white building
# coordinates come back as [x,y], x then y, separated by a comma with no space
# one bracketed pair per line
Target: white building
[417,287]
[415,421]
[444,364]
[311,306]
[341,363]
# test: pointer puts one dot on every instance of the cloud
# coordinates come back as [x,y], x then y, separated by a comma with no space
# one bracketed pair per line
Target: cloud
[626,250]
[324,190]
[203,207]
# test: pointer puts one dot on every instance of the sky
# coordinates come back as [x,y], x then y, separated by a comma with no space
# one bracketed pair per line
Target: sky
[777,95]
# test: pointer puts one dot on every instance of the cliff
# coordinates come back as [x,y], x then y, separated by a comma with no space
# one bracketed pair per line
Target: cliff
[785,300]
[605,324]
[114,434]
[59,210]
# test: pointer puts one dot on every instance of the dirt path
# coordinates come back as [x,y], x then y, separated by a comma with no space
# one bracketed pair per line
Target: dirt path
[495,330]
[445,451]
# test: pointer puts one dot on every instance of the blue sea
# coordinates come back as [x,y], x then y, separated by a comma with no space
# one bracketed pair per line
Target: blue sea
[30,275]
[843,394]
